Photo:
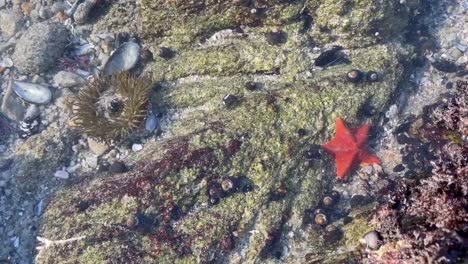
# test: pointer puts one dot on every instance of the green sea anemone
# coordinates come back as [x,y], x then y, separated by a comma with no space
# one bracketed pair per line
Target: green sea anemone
[110,108]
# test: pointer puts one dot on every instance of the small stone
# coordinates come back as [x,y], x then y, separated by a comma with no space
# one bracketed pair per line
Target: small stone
[96,147]
[40,46]
[62,174]
[68,79]
[118,167]
[399,168]
[151,122]
[44,12]
[455,53]
[92,161]
[10,22]
[137,147]
[82,12]
[449,85]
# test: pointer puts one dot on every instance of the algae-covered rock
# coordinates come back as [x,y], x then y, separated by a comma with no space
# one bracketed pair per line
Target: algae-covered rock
[168,208]
[359,23]
[39,157]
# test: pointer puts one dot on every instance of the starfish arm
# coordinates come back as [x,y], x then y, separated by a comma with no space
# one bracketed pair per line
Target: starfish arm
[367,158]
[343,140]
[361,135]
[342,132]
[344,162]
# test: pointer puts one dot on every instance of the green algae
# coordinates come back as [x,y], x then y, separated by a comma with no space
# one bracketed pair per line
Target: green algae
[255,140]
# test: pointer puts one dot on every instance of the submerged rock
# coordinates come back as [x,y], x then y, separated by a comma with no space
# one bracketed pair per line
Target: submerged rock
[40,46]
[68,79]
[182,218]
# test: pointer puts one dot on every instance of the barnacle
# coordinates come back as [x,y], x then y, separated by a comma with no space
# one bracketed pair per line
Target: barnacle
[112,107]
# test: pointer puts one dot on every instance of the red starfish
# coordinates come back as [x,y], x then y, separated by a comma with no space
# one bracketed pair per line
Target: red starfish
[347,148]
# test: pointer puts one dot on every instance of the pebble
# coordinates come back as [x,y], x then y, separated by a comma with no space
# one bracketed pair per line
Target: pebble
[97,147]
[83,10]
[137,147]
[67,79]
[151,122]
[44,12]
[92,161]
[40,46]
[455,53]
[117,167]
[62,174]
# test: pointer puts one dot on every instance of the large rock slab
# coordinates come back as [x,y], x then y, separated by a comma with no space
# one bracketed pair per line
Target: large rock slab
[254,139]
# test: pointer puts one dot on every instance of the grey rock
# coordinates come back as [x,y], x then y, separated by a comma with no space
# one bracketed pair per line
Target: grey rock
[12,106]
[44,12]
[40,46]
[82,12]
[58,7]
[2,3]
[10,22]
[92,161]
[68,79]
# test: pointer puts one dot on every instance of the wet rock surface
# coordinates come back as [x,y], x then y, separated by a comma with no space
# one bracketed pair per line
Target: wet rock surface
[176,184]
[224,164]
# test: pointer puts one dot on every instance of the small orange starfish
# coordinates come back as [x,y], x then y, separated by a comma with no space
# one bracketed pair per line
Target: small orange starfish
[347,148]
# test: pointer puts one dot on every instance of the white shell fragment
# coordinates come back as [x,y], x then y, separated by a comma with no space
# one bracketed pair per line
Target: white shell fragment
[32,93]
[137,147]
[39,207]
[124,58]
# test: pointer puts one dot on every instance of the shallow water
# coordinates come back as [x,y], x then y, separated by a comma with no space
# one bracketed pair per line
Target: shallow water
[246,132]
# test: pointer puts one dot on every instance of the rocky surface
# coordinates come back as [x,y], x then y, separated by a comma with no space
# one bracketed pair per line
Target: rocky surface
[39,47]
[232,172]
